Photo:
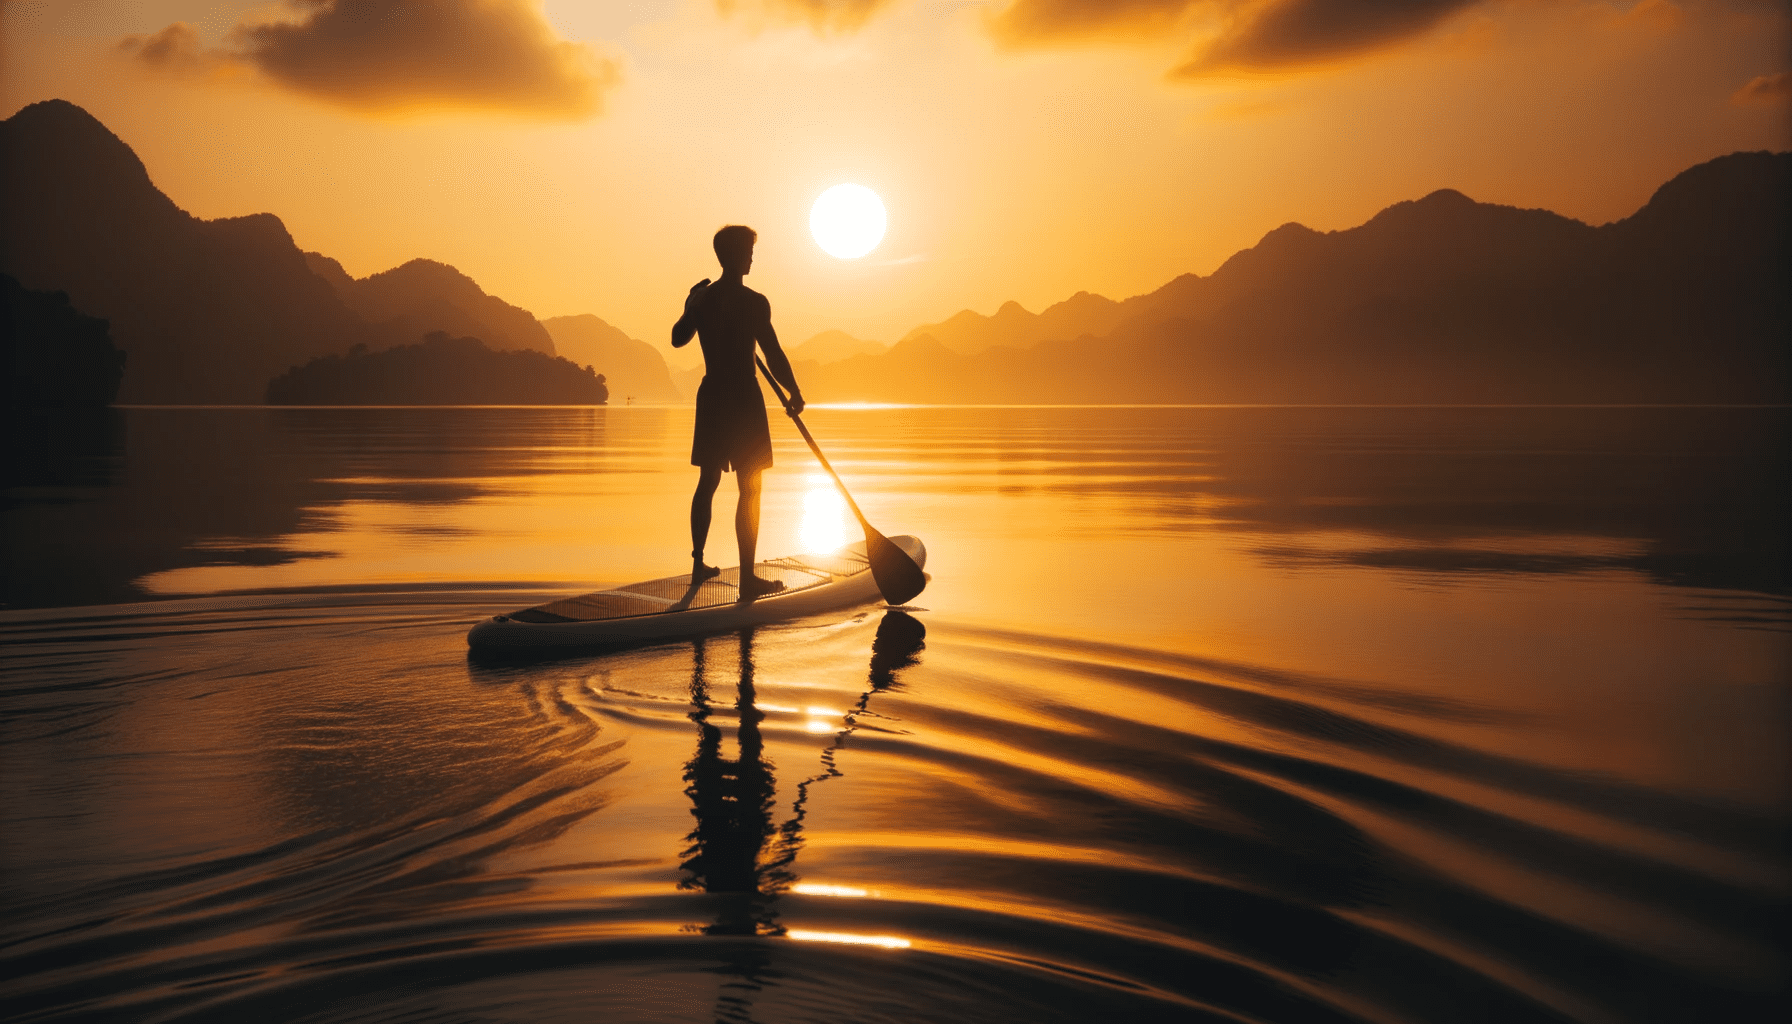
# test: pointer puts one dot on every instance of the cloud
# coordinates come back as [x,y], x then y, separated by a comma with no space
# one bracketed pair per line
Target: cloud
[1044,22]
[498,55]
[1764,91]
[1241,34]
[174,50]
[1286,33]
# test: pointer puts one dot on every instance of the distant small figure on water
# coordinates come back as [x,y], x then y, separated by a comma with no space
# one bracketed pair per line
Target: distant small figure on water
[732,433]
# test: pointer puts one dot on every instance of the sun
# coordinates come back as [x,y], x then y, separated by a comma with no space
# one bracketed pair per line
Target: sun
[848,221]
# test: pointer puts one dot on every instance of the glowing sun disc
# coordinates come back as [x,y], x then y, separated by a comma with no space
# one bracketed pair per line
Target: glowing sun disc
[847,221]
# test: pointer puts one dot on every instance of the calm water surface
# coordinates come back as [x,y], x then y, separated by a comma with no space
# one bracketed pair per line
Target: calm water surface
[1208,714]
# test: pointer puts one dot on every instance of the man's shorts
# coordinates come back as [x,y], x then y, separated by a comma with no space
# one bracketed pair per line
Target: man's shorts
[732,431]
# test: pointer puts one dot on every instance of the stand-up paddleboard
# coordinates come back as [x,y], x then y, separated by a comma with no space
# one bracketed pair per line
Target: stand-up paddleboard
[673,608]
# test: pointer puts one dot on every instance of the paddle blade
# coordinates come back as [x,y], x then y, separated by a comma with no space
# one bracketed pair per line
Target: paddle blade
[898,578]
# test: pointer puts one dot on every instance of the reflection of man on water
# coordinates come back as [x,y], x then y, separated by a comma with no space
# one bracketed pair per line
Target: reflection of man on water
[732,434]
[732,802]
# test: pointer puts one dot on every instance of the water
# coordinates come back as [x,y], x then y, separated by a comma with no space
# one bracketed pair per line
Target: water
[1208,714]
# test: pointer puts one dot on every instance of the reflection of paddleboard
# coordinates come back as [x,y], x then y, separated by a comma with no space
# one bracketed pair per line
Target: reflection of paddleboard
[672,608]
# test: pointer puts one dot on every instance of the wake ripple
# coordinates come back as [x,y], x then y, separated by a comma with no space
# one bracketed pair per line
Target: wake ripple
[313,807]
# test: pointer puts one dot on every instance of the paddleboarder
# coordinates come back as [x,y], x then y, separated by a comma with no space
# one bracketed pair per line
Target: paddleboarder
[732,433]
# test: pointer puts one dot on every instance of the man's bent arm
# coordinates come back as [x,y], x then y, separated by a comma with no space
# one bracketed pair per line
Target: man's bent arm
[687,323]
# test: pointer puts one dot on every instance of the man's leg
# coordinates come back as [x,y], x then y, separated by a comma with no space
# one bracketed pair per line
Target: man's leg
[746,532]
[707,482]
[746,518]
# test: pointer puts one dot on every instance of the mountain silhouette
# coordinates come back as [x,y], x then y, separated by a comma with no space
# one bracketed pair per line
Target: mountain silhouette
[634,369]
[833,346]
[1436,300]
[969,333]
[207,311]
[423,296]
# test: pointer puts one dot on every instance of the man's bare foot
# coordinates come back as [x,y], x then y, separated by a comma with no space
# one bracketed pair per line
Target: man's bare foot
[701,572]
[758,586]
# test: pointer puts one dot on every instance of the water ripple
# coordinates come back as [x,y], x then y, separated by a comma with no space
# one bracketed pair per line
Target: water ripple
[861,818]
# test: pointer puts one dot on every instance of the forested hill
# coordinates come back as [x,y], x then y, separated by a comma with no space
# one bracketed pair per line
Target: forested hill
[441,371]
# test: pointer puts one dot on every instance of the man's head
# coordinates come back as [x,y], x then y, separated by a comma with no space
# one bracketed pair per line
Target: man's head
[734,247]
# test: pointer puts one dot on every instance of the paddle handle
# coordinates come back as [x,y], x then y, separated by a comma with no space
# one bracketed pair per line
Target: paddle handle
[823,459]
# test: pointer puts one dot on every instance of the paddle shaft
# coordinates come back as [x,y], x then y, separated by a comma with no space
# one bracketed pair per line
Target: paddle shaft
[823,459]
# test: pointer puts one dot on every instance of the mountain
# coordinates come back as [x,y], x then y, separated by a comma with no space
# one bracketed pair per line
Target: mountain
[634,369]
[1436,300]
[207,311]
[969,333]
[833,346]
[423,296]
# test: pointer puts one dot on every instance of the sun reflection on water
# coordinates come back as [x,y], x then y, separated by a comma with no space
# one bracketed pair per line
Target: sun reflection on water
[824,516]
[818,889]
[886,941]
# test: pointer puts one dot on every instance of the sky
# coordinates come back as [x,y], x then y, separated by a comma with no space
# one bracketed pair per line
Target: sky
[575,156]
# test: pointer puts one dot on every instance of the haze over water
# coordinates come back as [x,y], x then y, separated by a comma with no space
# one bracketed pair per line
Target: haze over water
[1385,714]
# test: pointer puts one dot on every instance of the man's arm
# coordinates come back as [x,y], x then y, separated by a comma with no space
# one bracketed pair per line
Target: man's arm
[777,362]
[687,324]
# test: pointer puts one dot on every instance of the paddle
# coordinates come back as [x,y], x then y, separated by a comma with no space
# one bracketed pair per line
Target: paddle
[898,578]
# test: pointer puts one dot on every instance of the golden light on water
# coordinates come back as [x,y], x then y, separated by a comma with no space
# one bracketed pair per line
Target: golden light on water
[825,522]
[822,719]
[818,889]
[886,941]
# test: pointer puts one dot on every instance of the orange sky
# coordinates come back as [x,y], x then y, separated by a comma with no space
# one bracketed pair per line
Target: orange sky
[574,157]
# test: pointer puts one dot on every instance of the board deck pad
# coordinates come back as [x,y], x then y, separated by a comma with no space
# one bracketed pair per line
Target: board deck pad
[675,593]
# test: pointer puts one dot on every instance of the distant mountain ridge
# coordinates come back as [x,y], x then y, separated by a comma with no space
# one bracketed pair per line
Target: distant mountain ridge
[1012,326]
[1440,299]
[423,296]
[634,369]
[833,346]
[1435,300]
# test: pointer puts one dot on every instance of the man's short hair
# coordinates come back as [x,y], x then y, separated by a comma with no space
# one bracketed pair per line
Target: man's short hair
[734,243]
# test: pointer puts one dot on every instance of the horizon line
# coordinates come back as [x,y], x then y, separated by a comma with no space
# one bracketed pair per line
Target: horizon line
[868,406]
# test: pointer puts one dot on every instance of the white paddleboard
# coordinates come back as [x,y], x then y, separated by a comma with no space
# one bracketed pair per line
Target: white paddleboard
[672,608]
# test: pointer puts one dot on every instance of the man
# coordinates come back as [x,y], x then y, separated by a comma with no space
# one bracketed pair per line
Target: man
[732,433]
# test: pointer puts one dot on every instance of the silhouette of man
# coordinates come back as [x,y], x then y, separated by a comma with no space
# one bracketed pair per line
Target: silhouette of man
[732,433]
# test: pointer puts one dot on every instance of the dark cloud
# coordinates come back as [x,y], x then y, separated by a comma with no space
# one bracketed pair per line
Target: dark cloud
[1248,34]
[1243,34]
[175,49]
[1251,33]
[1765,91]
[1292,32]
[390,54]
